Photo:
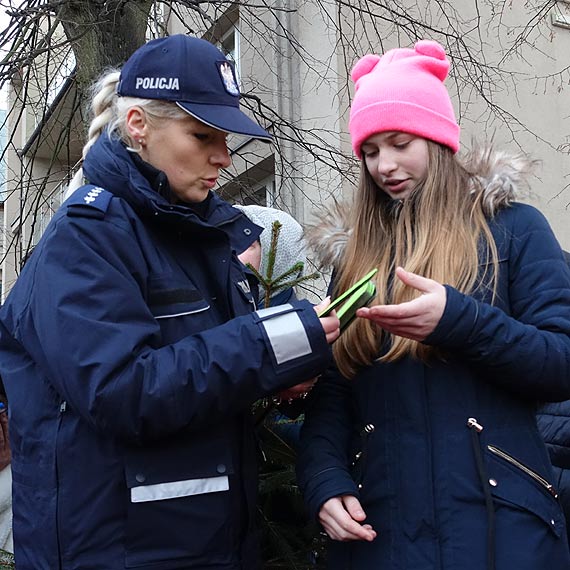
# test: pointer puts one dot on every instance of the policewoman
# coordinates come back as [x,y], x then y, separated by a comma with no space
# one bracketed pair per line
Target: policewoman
[130,346]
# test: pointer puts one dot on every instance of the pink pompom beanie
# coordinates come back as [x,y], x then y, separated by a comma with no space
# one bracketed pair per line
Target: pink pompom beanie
[403,91]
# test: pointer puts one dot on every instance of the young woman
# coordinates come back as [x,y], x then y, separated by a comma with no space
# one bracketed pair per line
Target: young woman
[420,450]
[129,347]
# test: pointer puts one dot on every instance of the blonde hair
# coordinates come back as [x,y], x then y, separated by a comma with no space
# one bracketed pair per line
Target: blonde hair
[110,114]
[439,232]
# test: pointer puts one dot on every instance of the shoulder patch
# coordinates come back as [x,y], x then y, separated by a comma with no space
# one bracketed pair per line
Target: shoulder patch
[89,201]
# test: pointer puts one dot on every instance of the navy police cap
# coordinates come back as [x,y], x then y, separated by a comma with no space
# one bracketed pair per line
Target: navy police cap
[194,74]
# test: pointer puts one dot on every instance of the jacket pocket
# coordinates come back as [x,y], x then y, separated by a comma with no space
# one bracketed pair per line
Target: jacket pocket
[179,508]
[522,487]
[175,299]
[179,308]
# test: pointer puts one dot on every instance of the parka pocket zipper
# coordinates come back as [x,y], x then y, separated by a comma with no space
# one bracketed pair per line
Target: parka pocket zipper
[476,429]
[359,461]
[538,478]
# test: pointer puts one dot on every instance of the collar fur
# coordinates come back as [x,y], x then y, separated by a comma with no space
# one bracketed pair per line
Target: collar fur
[503,176]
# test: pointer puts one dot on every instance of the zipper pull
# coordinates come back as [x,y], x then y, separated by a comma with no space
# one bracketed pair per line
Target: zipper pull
[367,430]
[63,407]
[263,456]
[472,423]
[357,456]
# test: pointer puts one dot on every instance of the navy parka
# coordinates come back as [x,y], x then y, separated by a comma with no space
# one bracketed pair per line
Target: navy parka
[401,435]
[554,426]
[131,353]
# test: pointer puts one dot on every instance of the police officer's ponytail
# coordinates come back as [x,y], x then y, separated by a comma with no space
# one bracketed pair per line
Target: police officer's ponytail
[103,107]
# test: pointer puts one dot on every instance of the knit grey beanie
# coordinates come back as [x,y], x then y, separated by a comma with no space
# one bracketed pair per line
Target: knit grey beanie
[290,245]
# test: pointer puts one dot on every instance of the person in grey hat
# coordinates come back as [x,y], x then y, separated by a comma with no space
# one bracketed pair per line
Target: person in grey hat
[290,250]
[129,347]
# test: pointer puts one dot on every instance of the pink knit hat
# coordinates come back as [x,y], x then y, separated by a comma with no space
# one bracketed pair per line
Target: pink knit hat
[403,91]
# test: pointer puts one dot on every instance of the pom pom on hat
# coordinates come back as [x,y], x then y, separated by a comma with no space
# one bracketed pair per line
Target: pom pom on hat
[403,90]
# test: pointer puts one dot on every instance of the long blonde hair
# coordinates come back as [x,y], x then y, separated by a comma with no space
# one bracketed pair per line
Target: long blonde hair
[109,113]
[439,231]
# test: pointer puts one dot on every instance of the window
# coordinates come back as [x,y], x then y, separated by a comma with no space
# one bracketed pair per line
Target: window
[263,193]
[156,26]
[247,191]
[47,209]
[60,75]
[224,34]
[229,45]
[560,14]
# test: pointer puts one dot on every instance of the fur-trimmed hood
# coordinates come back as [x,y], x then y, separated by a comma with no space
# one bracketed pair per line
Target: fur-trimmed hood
[502,175]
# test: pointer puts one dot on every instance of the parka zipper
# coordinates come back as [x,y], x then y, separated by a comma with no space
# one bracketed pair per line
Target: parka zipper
[358,458]
[62,411]
[476,428]
[359,461]
[538,478]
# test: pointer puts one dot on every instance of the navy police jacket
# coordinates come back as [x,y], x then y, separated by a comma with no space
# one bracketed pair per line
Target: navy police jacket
[131,352]
[423,445]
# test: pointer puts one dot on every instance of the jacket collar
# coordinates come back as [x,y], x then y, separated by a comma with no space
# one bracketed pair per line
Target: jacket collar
[110,165]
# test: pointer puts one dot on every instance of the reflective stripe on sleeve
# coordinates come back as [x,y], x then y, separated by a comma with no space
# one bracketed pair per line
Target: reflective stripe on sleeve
[176,489]
[286,333]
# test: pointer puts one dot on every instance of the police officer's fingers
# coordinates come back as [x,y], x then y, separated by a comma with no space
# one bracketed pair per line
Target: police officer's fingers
[298,391]
[307,384]
[323,305]
[4,429]
[331,327]
[5,454]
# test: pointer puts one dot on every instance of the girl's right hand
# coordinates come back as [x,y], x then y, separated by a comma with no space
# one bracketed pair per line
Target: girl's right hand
[330,323]
[342,518]
[415,319]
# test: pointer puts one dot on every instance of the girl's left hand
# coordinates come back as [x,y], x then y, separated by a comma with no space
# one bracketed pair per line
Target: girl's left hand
[415,319]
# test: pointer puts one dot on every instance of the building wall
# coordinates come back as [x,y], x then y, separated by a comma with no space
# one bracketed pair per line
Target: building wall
[38,165]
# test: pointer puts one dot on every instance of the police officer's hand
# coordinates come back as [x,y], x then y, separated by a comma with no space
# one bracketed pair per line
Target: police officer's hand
[299,391]
[342,519]
[5,454]
[330,323]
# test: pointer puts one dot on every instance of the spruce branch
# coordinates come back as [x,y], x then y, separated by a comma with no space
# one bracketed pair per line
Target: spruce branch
[272,253]
[272,285]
